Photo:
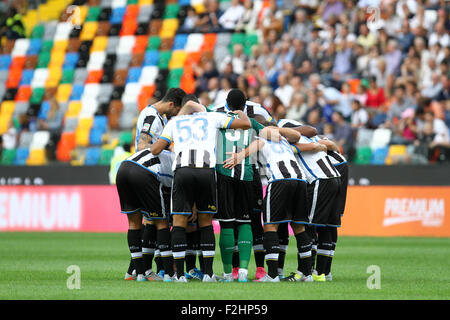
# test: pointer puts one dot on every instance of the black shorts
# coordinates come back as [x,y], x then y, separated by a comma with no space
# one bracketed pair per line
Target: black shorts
[342,195]
[139,190]
[194,185]
[322,202]
[285,201]
[234,199]
[257,199]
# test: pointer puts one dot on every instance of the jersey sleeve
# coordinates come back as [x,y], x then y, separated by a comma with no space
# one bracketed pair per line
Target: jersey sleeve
[167,133]
[221,120]
[256,125]
[151,125]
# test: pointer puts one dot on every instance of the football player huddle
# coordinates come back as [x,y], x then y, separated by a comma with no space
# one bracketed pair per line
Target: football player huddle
[194,164]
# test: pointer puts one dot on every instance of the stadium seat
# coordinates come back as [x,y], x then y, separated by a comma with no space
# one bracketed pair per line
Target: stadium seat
[364,137]
[117,15]
[40,139]
[99,44]
[92,156]
[140,44]
[134,74]
[7,108]
[74,109]
[5,61]
[363,155]
[39,77]
[380,138]
[394,152]
[23,94]
[125,137]
[379,156]
[93,13]
[151,58]
[106,156]
[136,60]
[95,137]
[94,76]
[89,30]
[21,156]
[77,91]
[63,93]
[37,95]
[8,156]
[164,59]
[20,47]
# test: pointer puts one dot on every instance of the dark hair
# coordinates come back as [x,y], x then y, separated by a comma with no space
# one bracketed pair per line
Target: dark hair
[189,97]
[401,86]
[174,95]
[126,147]
[236,99]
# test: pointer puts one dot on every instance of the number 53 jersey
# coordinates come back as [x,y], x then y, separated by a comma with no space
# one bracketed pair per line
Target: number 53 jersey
[194,138]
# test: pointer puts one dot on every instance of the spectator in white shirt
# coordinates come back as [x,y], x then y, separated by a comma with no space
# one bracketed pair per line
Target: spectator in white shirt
[232,15]
[284,91]
[359,116]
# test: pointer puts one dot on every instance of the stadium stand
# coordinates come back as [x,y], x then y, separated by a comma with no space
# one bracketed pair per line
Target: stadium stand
[102,61]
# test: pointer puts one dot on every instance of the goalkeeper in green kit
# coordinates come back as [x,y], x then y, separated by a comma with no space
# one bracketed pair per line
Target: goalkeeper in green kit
[235,192]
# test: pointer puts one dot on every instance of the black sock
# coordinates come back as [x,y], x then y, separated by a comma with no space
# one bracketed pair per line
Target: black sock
[148,245]
[312,232]
[272,248]
[135,247]
[208,246]
[131,267]
[191,254]
[304,253]
[334,236]
[179,248]
[197,248]
[323,249]
[283,236]
[163,241]
[258,239]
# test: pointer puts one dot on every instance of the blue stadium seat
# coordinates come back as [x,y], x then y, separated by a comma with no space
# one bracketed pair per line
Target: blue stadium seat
[134,74]
[180,41]
[5,61]
[45,107]
[35,47]
[117,15]
[71,60]
[92,156]
[379,156]
[184,2]
[95,136]
[21,156]
[100,123]
[151,58]
[77,92]
[27,76]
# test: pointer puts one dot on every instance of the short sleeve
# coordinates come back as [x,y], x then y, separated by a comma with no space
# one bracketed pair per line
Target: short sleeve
[167,133]
[221,120]
[149,125]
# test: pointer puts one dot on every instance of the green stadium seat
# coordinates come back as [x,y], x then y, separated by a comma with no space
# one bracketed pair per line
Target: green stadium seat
[126,137]
[37,95]
[106,156]
[47,46]
[8,156]
[38,31]
[363,155]
[171,11]
[153,43]
[67,76]
[43,60]
[164,59]
[93,14]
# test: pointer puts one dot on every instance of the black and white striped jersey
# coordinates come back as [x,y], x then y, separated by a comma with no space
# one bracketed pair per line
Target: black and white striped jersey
[279,161]
[335,157]
[288,123]
[150,122]
[195,137]
[251,109]
[166,172]
[145,159]
[317,165]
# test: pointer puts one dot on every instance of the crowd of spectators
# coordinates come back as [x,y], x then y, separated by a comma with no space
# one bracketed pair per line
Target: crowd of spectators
[342,66]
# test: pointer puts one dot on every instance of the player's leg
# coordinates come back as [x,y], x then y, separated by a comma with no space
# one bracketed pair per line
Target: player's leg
[148,244]
[181,207]
[283,235]
[327,192]
[334,238]
[206,202]
[242,212]
[225,207]
[256,224]
[129,204]
[236,253]
[191,252]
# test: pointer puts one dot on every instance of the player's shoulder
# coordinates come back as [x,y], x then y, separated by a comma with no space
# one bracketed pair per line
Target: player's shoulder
[288,123]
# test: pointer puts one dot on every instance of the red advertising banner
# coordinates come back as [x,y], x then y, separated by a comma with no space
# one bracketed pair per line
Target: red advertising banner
[370,211]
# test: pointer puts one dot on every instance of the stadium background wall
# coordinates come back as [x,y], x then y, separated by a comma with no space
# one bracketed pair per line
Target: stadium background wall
[382,201]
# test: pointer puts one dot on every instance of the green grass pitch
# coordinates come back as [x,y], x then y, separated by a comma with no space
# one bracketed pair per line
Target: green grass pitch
[34,265]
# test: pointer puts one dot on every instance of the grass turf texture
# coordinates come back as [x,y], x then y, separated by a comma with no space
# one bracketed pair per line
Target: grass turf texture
[33,266]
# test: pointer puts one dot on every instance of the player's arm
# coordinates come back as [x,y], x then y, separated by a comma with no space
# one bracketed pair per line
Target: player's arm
[243,122]
[331,146]
[191,107]
[159,146]
[236,158]
[144,142]
[310,147]
[291,135]
[306,131]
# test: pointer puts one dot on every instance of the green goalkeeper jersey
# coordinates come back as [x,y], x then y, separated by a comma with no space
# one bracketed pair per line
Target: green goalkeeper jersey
[230,140]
